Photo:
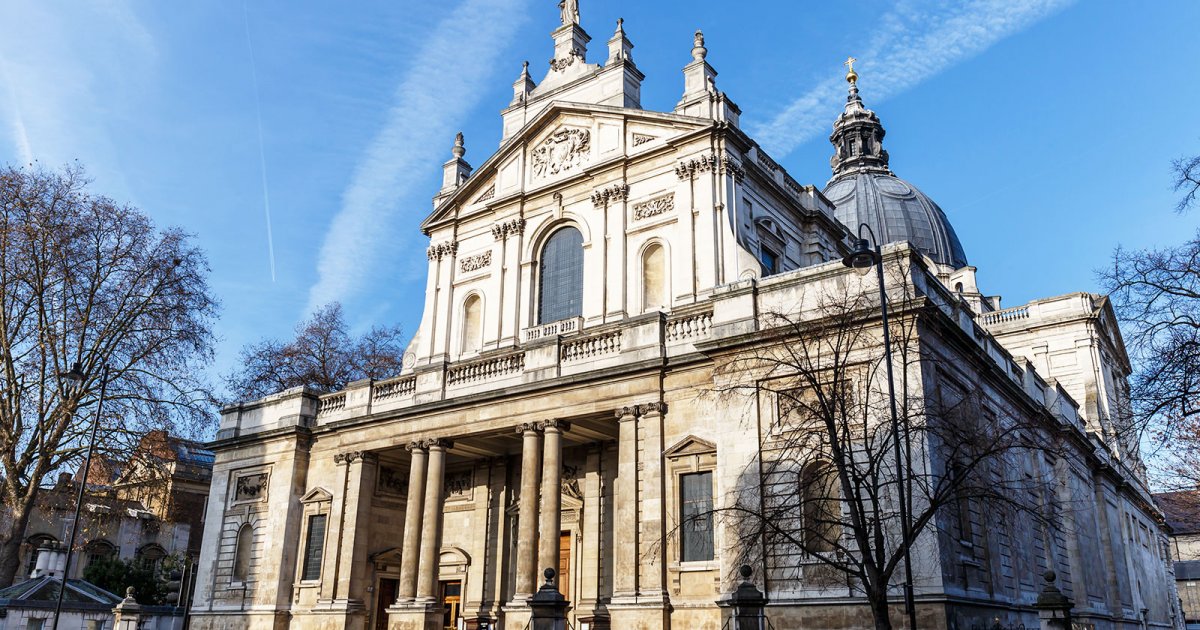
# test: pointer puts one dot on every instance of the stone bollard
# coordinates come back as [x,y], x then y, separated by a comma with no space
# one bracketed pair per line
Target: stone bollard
[127,614]
[747,603]
[1054,608]
[548,606]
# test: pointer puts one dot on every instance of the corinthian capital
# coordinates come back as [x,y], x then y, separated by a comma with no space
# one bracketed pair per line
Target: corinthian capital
[555,423]
[441,443]
[652,409]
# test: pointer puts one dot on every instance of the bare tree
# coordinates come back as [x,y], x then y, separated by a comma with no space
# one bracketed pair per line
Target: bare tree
[1156,295]
[86,280]
[323,356]
[1187,180]
[822,500]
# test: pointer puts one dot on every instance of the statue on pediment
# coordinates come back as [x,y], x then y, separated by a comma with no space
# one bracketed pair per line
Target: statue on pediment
[569,11]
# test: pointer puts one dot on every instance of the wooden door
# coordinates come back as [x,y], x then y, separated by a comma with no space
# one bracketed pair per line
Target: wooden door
[451,602]
[564,564]
[386,596]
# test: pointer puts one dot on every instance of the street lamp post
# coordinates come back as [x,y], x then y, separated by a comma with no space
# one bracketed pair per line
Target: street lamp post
[71,381]
[862,259]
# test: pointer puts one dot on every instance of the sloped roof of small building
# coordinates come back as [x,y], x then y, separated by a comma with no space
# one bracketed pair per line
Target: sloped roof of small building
[45,589]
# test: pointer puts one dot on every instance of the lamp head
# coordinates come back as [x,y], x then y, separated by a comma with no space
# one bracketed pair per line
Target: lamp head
[862,258]
[74,378]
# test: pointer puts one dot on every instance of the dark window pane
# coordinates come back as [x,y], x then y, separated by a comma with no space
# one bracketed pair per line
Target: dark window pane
[560,275]
[695,518]
[770,262]
[313,548]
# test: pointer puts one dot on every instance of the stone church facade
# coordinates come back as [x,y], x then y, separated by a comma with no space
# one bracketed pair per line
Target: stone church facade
[555,406]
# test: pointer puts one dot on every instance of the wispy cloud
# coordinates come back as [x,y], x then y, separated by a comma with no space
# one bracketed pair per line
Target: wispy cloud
[65,69]
[441,86]
[911,44]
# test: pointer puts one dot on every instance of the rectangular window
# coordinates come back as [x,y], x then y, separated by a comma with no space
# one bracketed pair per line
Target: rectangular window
[769,261]
[695,518]
[35,624]
[313,548]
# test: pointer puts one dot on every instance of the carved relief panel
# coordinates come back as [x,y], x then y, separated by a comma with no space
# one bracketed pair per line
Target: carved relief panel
[250,487]
[563,151]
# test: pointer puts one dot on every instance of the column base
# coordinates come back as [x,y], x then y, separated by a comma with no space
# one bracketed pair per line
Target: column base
[418,616]
[641,612]
[516,615]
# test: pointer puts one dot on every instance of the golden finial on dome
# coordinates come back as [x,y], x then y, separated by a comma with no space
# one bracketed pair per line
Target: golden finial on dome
[851,75]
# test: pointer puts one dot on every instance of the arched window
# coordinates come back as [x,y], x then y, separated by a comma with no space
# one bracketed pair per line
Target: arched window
[33,543]
[98,549]
[821,510]
[472,324]
[654,278]
[241,553]
[151,556]
[560,274]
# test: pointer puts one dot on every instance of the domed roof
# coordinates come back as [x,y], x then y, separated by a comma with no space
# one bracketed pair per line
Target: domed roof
[864,190]
[896,211]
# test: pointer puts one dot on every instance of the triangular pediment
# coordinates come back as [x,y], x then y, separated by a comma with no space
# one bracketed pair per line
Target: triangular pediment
[315,495]
[559,143]
[690,445]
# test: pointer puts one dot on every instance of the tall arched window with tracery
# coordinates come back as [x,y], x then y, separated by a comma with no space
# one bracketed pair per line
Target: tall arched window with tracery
[821,509]
[242,553]
[472,324]
[654,278]
[560,276]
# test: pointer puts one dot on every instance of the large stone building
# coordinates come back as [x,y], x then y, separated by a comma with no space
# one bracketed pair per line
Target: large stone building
[555,410]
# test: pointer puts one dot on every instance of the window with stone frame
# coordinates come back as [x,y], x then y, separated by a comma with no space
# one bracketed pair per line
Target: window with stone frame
[97,550]
[560,276]
[654,277]
[317,504]
[472,324]
[314,547]
[691,464]
[151,557]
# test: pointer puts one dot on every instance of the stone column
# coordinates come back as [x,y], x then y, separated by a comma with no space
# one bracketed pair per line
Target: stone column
[625,523]
[431,521]
[653,582]
[351,583]
[531,450]
[550,523]
[411,543]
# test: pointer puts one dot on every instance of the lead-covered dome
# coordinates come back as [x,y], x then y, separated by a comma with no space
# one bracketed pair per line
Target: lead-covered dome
[864,190]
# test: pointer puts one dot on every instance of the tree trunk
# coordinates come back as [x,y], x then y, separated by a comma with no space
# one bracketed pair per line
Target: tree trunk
[10,548]
[879,610]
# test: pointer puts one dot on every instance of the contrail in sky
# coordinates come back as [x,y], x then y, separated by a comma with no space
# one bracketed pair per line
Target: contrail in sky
[262,156]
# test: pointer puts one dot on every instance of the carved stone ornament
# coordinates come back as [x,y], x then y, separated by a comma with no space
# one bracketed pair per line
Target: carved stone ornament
[640,138]
[626,413]
[686,169]
[458,484]
[487,194]
[558,65]
[733,167]
[250,487]
[555,423]
[529,426]
[654,207]
[654,408]
[441,250]
[441,443]
[476,262]
[609,194]
[564,150]
[391,481]
[504,229]
[571,476]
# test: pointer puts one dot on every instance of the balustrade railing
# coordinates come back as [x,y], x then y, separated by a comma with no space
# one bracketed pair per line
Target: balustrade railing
[394,388]
[485,369]
[689,326]
[331,403]
[1006,315]
[591,347]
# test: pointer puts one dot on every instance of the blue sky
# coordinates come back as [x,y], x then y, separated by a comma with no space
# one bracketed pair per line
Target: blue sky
[1044,128]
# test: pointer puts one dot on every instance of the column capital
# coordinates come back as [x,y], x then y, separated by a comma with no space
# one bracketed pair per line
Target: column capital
[441,443]
[626,413]
[415,445]
[350,457]
[526,427]
[652,409]
[555,423]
